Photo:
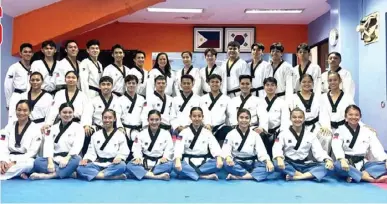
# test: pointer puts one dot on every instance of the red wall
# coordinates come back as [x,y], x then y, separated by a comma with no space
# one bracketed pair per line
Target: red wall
[176,38]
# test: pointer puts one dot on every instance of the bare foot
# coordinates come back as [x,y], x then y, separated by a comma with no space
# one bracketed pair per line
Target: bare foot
[288,177]
[382,179]
[24,176]
[165,176]
[232,177]
[349,179]
[210,177]
[229,177]
[74,175]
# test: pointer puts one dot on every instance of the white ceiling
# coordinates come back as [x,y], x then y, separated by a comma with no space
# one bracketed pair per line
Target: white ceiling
[215,11]
[232,12]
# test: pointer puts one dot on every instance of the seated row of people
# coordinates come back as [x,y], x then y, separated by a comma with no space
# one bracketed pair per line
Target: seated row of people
[194,154]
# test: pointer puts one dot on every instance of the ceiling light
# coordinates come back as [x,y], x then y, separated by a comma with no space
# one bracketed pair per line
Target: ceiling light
[274,10]
[174,10]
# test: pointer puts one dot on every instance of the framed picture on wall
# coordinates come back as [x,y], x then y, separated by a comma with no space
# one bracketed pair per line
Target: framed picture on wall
[205,37]
[245,37]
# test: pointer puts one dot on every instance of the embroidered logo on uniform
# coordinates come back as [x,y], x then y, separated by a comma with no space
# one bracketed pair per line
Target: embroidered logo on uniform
[347,141]
[236,143]
[179,106]
[289,141]
[99,106]
[336,136]
[146,143]
[84,69]
[136,140]
[127,107]
[10,76]
[38,139]
[277,139]
[145,104]
[98,142]
[53,135]
[189,141]
[179,137]
[2,137]
[57,74]
[158,104]
[206,102]
[53,102]
[221,105]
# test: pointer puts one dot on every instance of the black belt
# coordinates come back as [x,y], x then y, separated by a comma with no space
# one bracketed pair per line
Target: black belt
[337,124]
[103,160]
[253,158]
[18,91]
[312,122]
[352,160]
[273,130]
[16,153]
[117,94]
[62,154]
[40,120]
[280,94]
[196,168]
[94,88]
[133,127]
[256,90]
[77,120]
[98,127]
[297,161]
[234,91]
[145,161]
[165,127]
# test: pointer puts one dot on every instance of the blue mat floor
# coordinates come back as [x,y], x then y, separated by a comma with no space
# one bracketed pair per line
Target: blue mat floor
[184,191]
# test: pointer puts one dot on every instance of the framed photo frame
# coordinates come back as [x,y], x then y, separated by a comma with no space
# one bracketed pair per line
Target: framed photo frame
[208,37]
[245,36]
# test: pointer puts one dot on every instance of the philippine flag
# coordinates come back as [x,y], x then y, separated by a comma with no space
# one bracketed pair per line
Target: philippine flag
[208,39]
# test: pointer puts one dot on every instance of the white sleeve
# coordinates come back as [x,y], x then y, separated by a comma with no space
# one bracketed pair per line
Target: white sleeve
[48,145]
[278,146]
[91,153]
[150,84]
[144,114]
[337,145]
[179,145]
[232,113]
[289,89]
[78,143]
[318,152]
[33,145]
[198,83]
[8,84]
[207,114]
[168,152]
[15,98]
[214,146]
[84,77]
[227,148]
[376,148]
[317,81]
[53,111]
[349,85]
[136,148]
[285,116]
[245,69]
[123,149]
[263,116]
[324,117]
[87,116]
[4,151]
[174,119]
[224,82]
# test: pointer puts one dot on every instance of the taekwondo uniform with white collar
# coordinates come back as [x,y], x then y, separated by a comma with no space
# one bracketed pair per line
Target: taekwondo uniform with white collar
[20,147]
[311,110]
[62,141]
[64,66]
[198,151]
[357,146]
[163,105]
[259,73]
[295,149]
[41,66]
[150,149]
[102,151]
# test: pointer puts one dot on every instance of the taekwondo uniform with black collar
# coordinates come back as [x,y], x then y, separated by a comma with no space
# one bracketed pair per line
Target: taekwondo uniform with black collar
[332,115]
[311,110]
[259,116]
[150,86]
[279,119]
[283,73]
[131,109]
[258,72]
[312,69]
[150,149]
[40,107]
[41,66]
[16,80]
[198,151]
[347,84]
[205,73]
[62,141]
[218,109]
[79,101]
[21,148]
[92,115]
[236,69]
[195,73]
[142,76]
[64,66]
[295,149]
[103,149]
[245,149]
[163,105]
[89,75]
[181,108]
[356,146]
[118,77]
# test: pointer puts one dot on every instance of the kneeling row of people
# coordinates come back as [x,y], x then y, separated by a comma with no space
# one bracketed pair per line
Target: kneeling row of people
[195,154]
